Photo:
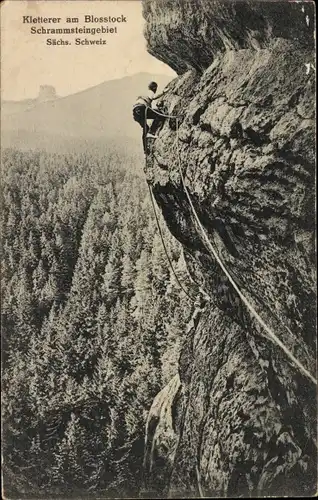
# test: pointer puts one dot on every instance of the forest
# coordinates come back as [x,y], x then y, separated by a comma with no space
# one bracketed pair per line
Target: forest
[92,322]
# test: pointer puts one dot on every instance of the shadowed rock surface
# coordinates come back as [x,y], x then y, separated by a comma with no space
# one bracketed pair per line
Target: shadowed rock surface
[246,149]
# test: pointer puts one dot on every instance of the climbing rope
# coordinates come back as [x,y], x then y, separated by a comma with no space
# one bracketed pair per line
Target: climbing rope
[250,307]
[164,115]
[165,248]
[159,227]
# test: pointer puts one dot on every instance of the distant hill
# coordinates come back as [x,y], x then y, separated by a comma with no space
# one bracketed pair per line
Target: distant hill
[11,107]
[98,113]
[46,93]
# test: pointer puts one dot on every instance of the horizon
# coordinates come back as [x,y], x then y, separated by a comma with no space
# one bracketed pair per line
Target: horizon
[58,96]
[27,62]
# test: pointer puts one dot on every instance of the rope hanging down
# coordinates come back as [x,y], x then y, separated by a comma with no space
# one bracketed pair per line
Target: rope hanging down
[165,248]
[273,337]
[159,228]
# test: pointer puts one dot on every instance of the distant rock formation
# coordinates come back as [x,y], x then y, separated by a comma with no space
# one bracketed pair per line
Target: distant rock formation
[246,145]
[46,93]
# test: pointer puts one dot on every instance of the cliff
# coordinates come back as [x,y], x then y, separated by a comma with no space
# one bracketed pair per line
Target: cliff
[245,146]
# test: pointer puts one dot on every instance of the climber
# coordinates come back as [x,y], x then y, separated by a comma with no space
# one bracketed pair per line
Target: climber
[142,111]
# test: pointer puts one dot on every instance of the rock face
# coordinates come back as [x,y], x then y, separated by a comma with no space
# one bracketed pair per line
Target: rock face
[245,147]
[162,437]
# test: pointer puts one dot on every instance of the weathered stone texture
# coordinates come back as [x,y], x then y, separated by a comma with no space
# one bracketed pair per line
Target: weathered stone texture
[246,146]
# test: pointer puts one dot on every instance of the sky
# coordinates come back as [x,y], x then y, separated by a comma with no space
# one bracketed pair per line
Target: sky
[28,62]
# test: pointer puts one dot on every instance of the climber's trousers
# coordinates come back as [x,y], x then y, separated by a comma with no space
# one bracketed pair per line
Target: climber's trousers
[139,114]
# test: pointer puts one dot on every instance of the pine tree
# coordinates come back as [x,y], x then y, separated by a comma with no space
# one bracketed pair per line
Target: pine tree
[93,319]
